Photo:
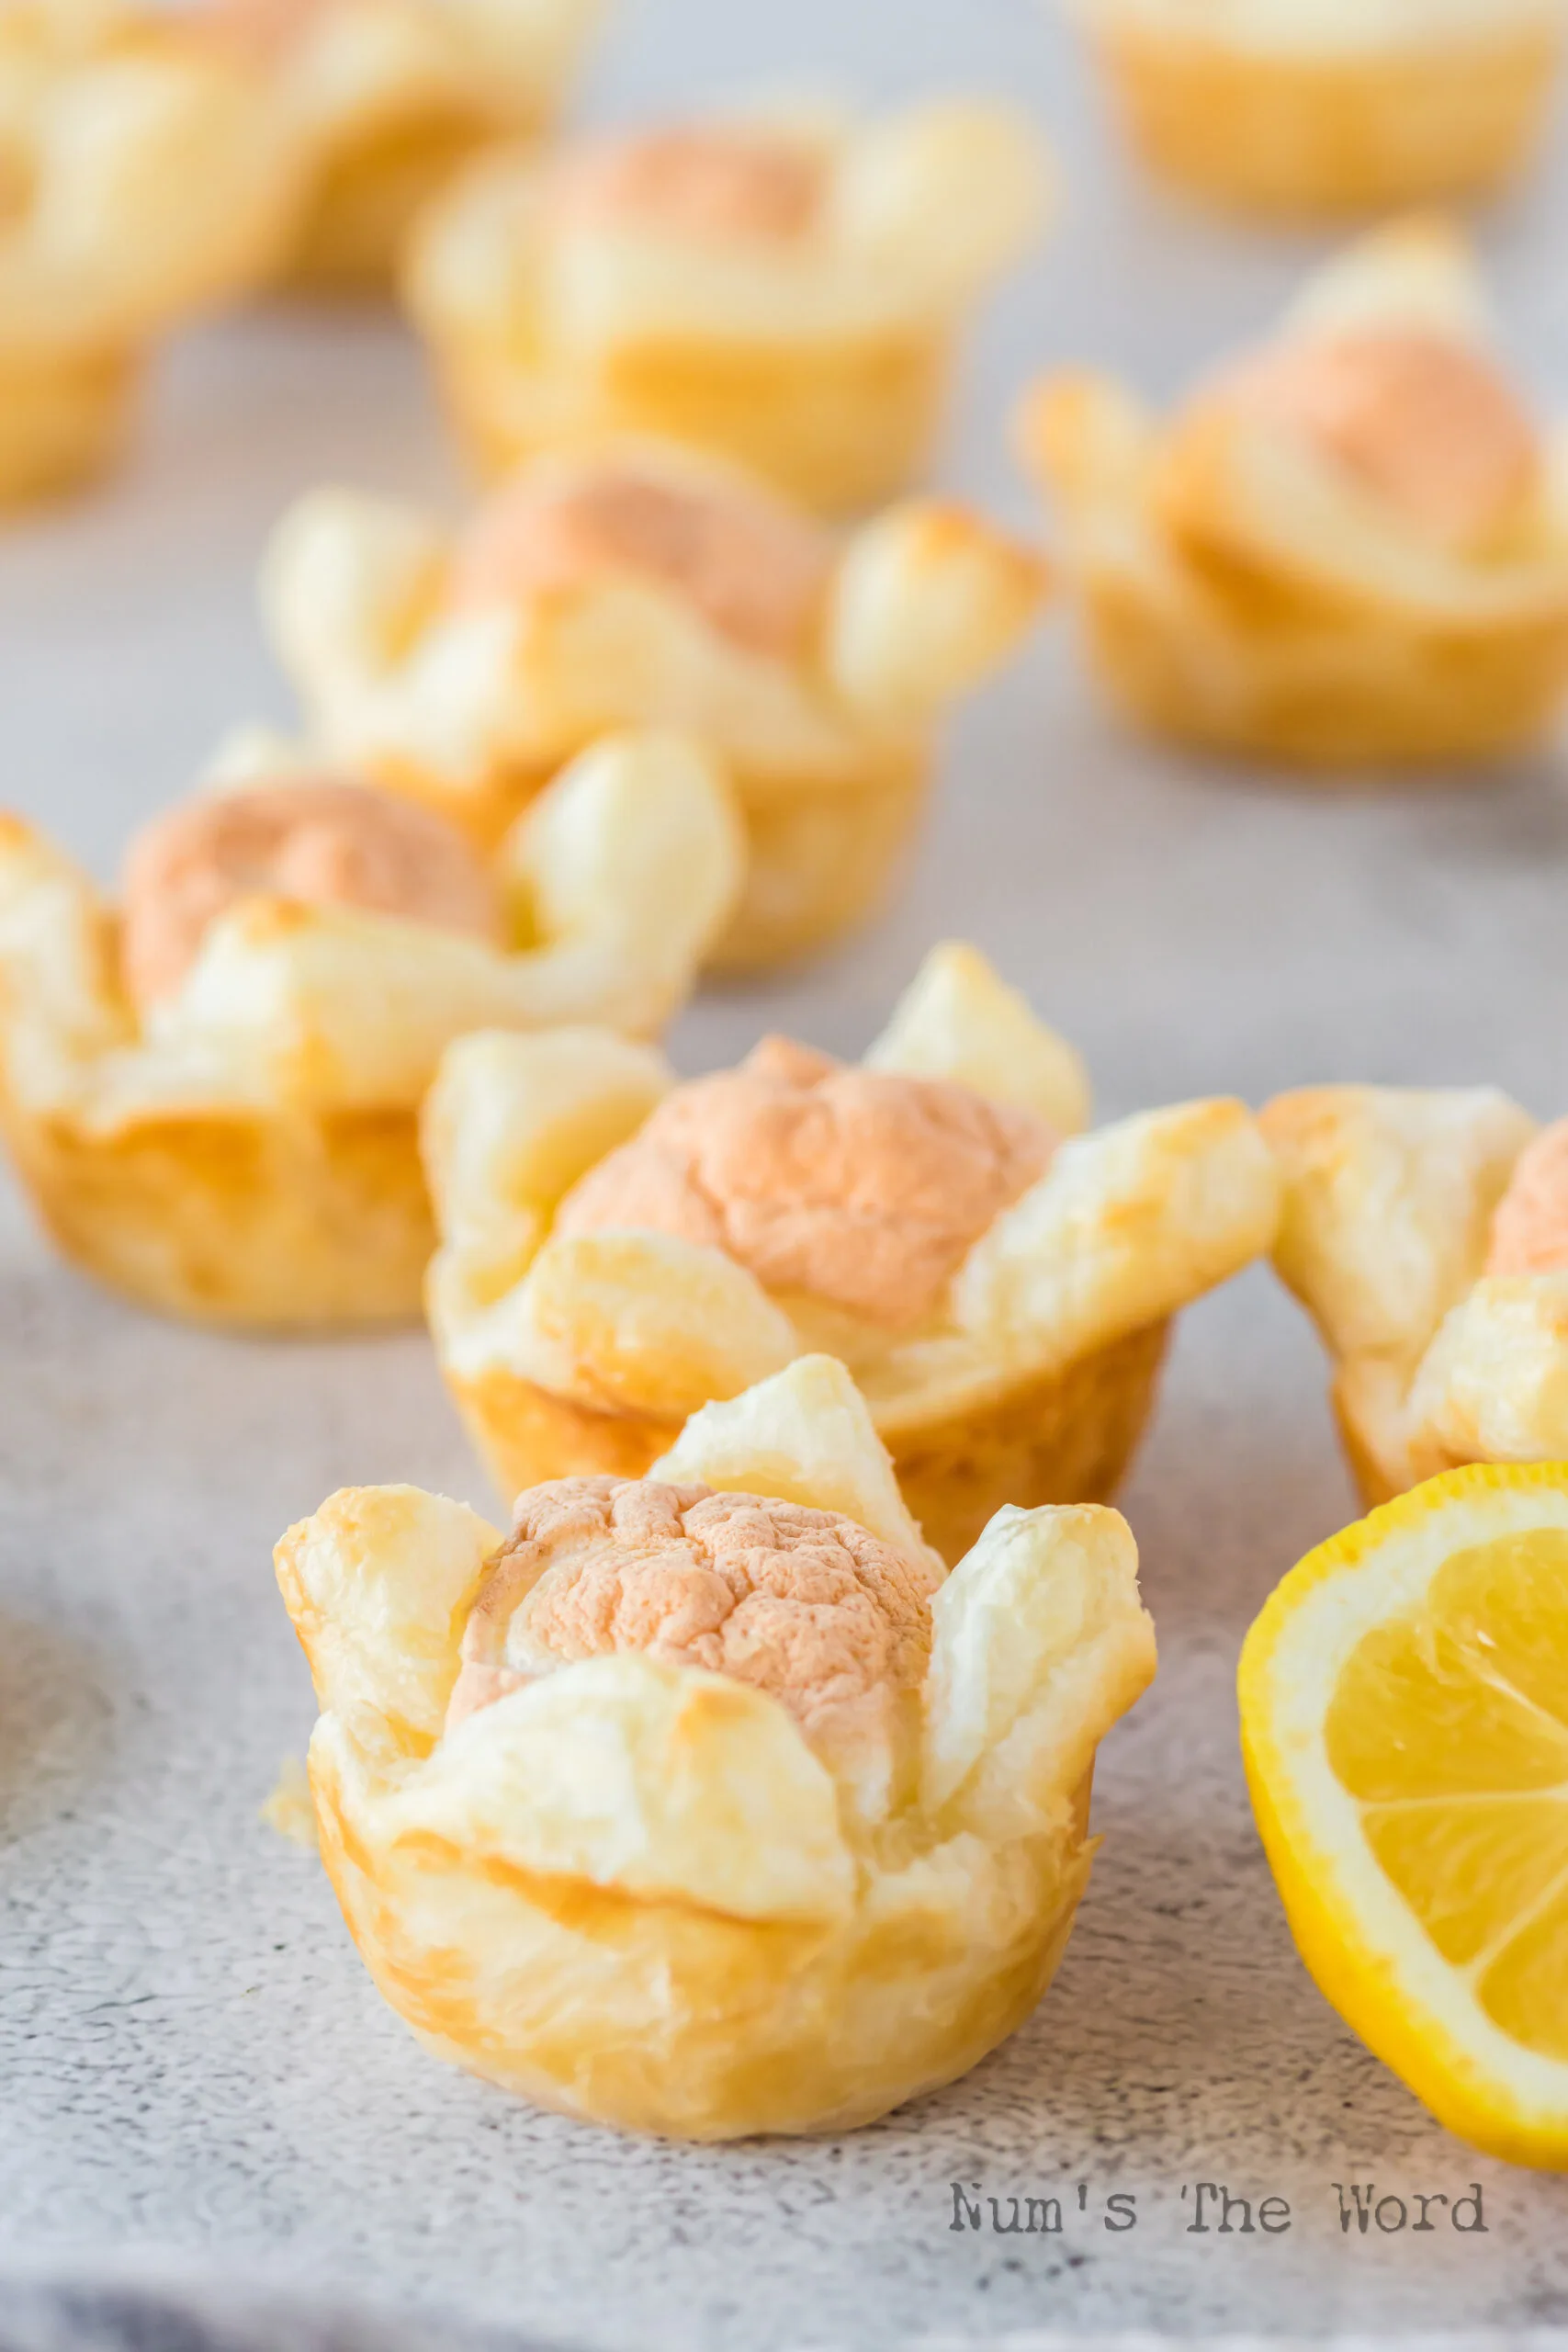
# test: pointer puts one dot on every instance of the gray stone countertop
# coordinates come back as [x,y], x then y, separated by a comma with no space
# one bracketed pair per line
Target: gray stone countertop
[192,2061]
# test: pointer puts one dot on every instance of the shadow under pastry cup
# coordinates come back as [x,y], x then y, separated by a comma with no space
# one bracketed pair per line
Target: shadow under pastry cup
[384,101]
[634,583]
[112,117]
[1427,1235]
[1349,550]
[1323,119]
[784,289]
[213,1099]
[709,1806]
[617,1251]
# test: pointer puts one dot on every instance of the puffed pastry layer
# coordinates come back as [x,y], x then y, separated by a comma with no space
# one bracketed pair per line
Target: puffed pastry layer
[635,582]
[784,286]
[109,115]
[707,1805]
[1356,106]
[385,100]
[617,1252]
[1427,1235]
[233,1136]
[1349,548]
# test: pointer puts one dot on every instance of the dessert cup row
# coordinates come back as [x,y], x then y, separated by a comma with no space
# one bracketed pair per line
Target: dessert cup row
[218,1093]
[1345,551]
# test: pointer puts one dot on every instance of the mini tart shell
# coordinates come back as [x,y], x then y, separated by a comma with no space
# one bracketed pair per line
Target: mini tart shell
[725,2027]
[1207,638]
[644,1893]
[1322,136]
[1064,1436]
[266,1222]
[837,424]
[1263,665]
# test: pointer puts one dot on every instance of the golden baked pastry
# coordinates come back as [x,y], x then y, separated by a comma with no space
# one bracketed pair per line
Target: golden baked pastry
[109,116]
[213,1097]
[633,583]
[617,1251]
[703,1804]
[1426,1234]
[1324,107]
[784,288]
[1349,547]
[385,99]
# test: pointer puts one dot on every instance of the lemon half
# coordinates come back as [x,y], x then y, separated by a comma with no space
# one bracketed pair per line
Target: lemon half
[1405,1726]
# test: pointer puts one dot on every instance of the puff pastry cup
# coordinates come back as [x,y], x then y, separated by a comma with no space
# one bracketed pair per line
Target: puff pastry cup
[213,1097]
[639,583]
[384,100]
[1426,1234]
[1324,107]
[706,1805]
[1349,547]
[109,116]
[617,1251]
[784,289]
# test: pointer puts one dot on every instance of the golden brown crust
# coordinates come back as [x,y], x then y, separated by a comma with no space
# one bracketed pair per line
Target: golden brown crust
[751,2053]
[1066,1437]
[1331,136]
[309,1223]
[841,423]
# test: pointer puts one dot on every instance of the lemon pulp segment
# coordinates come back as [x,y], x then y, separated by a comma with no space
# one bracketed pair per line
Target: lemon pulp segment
[1449,1727]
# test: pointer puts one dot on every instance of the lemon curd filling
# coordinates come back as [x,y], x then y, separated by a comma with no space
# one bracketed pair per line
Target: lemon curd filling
[1449,1727]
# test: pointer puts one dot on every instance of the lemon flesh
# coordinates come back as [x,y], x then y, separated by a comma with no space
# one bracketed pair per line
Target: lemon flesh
[1449,1727]
[1404,1724]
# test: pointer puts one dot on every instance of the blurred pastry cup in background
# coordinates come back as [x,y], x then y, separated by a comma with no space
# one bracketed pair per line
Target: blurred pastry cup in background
[109,117]
[618,1250]
[1427,1235]
[703,1804]
[1346,549]
[212,1094]
[385,99]
[637,582]
[784,288]
[1303,108]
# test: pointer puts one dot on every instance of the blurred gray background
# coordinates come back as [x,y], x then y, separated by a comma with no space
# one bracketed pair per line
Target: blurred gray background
[191,2058]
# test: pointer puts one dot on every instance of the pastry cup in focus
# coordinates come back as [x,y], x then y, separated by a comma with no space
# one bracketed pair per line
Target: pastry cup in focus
[1348,549]
[617,1251]
[109,116]
[784,289]
[635,582]
[1427,1235]
[1330,111]
[238,1143]
[707,1806]
[385,100]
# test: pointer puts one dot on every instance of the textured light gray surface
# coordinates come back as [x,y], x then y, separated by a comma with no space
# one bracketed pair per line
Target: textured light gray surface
[190,2055]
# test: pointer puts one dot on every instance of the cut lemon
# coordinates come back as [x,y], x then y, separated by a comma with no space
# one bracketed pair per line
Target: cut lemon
[1404,1724]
